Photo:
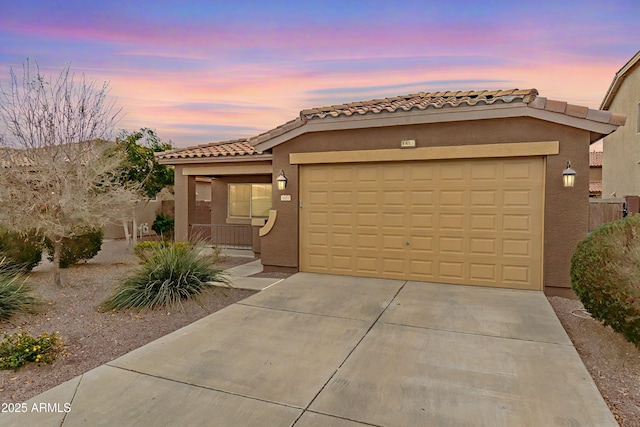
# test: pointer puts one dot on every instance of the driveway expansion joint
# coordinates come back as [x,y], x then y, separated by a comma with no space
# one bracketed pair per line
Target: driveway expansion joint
[302,312]
[231,393]
[453,331]
[349,355]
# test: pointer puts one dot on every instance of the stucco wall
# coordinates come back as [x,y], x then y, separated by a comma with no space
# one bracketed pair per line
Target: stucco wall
[566,209]
[620,168]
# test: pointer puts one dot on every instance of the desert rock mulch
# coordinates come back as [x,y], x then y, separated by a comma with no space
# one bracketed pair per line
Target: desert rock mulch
[613,362]
[90,337]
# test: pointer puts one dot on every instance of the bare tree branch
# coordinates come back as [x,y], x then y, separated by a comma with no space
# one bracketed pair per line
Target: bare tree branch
[59,173]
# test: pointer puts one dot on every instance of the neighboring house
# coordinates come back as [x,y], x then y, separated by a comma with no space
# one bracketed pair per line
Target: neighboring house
[595,174]
[449,187]
[621,162]
[147,210]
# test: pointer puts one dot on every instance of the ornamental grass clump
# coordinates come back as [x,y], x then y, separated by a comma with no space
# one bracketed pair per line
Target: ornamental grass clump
[168,276]
[19,349]
[605,274]
[16,294]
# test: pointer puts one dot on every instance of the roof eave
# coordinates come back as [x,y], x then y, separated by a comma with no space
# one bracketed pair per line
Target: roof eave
[216,159]
[617,81]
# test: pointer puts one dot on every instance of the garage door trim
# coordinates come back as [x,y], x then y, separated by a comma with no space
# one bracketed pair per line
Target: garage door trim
[521,149]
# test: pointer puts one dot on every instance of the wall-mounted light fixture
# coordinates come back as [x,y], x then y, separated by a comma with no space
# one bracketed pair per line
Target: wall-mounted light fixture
[568,176]
[282,181]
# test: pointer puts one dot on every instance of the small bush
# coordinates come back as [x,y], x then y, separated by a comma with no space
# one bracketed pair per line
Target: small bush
[605,274]
[144,250]
[163,225]
[172,273]
[21,348]
[16,294]
[21,250]
[76,249]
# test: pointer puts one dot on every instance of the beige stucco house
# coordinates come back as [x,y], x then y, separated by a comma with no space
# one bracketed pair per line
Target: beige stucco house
[621,160]
[450,187]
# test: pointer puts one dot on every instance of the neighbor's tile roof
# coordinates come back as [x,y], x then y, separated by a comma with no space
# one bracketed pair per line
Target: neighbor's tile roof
[237,147]
[595,158]
[595,187]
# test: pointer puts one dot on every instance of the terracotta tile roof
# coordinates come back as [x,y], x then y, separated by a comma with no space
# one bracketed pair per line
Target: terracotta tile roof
[439,100]
[421,101]
[595,187]
[282,129]
[237,147]
[577,111]
[595,159]
[413,102]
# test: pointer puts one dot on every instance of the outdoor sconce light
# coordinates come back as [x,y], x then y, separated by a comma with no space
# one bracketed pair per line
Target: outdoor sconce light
[568,176]
[282,181]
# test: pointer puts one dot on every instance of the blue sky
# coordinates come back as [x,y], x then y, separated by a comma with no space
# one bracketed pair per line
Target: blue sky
[204,71]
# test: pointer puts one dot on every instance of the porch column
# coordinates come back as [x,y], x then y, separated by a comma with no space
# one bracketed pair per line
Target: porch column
[185,205]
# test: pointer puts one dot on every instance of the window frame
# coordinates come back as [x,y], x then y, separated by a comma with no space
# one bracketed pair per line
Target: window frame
[251,185]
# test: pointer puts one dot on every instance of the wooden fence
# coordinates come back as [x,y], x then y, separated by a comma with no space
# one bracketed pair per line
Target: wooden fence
[602,211]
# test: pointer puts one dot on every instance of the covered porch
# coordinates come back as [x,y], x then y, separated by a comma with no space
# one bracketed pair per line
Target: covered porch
[241,185]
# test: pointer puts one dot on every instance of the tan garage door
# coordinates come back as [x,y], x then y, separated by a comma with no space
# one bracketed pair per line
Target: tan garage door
[476,222]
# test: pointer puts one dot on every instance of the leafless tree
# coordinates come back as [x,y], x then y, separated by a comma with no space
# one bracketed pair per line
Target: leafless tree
[59,173]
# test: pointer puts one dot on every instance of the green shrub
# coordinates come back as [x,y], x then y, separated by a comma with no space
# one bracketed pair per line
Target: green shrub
[16,294]
[172,273]
[22,250]
[605,274]
[163,225]
[16,350]
[76,249]
[144,250]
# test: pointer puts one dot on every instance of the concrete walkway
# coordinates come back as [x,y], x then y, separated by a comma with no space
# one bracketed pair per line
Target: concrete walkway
[316,350]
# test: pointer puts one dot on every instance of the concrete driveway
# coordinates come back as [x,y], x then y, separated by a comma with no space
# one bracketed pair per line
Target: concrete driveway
[317,350]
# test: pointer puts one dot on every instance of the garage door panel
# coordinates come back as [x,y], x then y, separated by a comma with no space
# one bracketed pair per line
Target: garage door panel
[484,172]
[482,246]
[450,171]
[516,223]
[421,221]
[452,221]
[367,199]
[367,241]
[520,170]
[340,199]
[452,270]
[483,222]
[483,272]
[341,219]
[517,248]
[422,245]
[452,198]
[366,264]
[393,266]
[475,222]
[484,199]
[516,199]
[341,240]
[422,198]
[394,220]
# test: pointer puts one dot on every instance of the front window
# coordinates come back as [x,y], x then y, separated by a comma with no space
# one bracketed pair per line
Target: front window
[249,200]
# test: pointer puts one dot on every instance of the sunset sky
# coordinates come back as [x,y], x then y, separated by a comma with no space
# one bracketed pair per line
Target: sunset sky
[204,71]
